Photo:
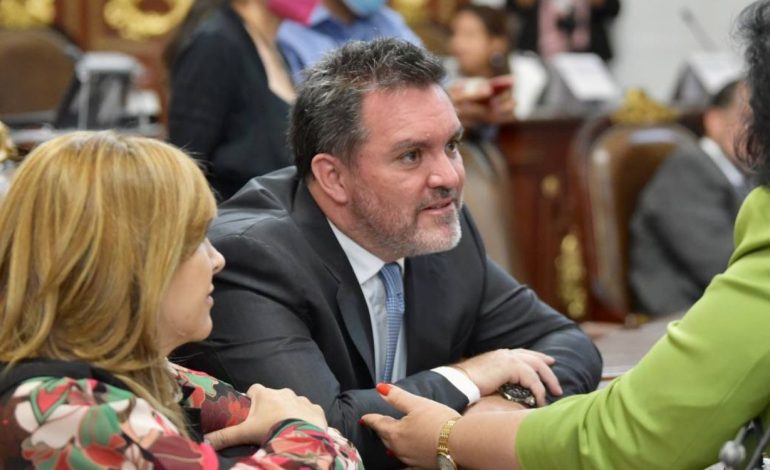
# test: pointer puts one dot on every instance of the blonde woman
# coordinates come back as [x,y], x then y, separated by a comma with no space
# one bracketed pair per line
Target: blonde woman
[104,269]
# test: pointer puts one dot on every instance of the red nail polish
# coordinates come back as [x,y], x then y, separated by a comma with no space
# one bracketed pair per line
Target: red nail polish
[384,388]
[389,453]
[362,422]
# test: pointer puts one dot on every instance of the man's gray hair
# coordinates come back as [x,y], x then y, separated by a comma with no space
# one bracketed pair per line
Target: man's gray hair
[326,118]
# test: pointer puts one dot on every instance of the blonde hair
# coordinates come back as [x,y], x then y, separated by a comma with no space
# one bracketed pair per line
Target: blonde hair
[92,230]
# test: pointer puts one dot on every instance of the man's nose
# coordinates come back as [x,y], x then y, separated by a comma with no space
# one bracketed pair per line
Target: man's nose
[446,171]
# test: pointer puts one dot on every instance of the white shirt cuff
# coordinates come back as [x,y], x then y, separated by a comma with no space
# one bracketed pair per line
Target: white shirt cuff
[461,382]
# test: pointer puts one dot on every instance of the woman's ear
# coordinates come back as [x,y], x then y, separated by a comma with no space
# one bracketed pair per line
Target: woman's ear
[330,175]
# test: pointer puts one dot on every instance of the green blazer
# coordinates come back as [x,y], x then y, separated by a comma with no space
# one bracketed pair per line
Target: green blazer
[708,375]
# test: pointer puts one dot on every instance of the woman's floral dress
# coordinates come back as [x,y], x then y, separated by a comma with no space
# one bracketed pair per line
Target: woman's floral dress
[64,423]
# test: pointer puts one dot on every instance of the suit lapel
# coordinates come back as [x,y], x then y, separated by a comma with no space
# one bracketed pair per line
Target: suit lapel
[349,298]
[431,314]
[355,315]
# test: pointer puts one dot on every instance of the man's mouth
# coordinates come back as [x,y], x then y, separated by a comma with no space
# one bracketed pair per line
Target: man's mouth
[440,206]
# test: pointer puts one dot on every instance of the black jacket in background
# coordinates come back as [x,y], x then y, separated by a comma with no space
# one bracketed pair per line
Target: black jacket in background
[222,110]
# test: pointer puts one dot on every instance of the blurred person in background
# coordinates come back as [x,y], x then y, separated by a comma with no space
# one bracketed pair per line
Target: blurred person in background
[552,26]
[482,91]
[231,89]
[681,233]
[334,23]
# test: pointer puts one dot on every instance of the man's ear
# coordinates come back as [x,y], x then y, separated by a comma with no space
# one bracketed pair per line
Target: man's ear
[329,173]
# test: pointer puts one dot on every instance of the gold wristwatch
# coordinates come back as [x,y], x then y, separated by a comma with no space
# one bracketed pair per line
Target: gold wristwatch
[443,458]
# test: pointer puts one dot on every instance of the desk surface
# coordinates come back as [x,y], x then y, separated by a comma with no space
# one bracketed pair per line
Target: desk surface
[623,347]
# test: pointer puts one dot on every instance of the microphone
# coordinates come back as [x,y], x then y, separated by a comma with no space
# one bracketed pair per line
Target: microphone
[733,453]
[697,29]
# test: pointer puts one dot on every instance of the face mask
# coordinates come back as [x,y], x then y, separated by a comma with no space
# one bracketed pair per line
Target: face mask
[298,10]
[364,7]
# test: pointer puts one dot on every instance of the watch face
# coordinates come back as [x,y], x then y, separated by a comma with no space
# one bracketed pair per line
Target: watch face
[518,394]
[445,462]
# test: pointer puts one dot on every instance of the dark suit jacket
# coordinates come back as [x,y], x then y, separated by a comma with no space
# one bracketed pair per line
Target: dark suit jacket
[289,312]
[222,109]
[681,231]
[599,42]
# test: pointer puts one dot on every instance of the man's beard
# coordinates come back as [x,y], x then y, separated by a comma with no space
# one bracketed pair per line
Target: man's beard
[400,235]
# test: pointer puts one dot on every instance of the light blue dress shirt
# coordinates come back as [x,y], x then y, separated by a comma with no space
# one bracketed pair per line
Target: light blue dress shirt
[366,266]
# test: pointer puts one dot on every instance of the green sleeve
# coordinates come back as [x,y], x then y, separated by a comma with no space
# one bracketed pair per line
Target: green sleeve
[699,384]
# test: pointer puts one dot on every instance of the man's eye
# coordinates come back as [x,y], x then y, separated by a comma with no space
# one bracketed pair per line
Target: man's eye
[410,157]
[453,146]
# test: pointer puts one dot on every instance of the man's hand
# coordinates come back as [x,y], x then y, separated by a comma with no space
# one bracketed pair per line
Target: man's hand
[531,369]
[493,403]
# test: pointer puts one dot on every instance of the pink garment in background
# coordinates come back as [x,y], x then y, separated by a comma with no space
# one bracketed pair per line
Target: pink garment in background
[553,40]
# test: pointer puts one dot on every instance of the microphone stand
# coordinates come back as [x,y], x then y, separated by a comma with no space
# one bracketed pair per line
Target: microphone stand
[733,452]
[697,29]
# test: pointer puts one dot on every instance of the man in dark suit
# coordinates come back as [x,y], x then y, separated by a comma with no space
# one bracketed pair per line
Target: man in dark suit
[361,266]
[682,228]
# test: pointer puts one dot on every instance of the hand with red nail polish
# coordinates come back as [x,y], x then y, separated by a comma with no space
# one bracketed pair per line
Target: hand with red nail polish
[384,388]
[413,438]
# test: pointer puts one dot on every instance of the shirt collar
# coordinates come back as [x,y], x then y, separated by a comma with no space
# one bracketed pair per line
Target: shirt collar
[365,265]
[731,172]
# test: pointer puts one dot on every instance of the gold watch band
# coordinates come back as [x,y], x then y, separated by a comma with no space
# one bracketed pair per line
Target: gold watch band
[443,436]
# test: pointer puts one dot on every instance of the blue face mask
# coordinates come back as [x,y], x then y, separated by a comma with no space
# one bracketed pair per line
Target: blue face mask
[364,7]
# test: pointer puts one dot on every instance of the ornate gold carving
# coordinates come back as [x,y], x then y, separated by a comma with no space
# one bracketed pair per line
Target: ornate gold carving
[24,14]
[639,109]
[8,150]
[570,274]
[550,186]
[422,11]
[131,22]
[413,11]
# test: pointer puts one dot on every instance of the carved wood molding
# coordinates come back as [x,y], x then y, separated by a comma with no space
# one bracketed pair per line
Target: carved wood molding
[24,14]
[639,109]
[571,274]
[131,22]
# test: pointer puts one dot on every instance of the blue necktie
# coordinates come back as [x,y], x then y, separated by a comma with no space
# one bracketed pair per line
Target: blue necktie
[394,304]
